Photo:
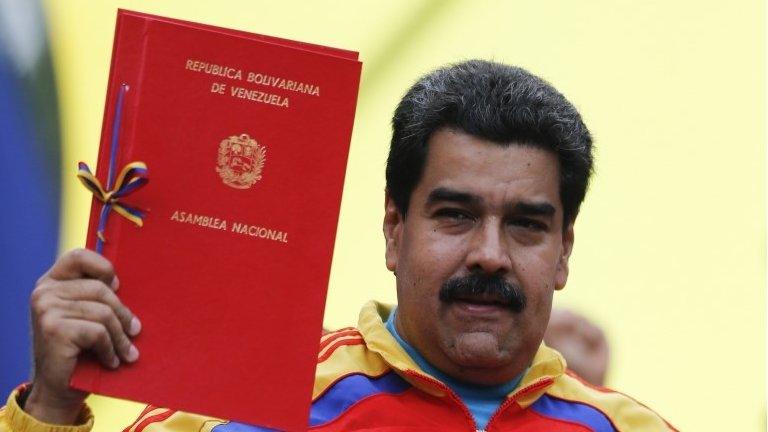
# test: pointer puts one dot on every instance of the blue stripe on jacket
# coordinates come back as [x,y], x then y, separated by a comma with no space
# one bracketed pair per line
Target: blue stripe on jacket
[241,427]
[337,399]
[350,390]
[574,412]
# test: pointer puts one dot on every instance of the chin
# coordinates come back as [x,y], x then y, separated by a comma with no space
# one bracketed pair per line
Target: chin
[479,350]
[481,362]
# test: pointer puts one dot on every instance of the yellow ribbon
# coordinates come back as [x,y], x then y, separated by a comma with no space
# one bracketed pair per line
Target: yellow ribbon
[132,177]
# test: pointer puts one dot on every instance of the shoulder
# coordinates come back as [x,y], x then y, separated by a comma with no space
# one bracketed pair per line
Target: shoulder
[343,354]
[331,341]
[603,408]
[349,373]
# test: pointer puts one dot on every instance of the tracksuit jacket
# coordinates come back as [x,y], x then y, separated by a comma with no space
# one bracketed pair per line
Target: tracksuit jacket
[365,381]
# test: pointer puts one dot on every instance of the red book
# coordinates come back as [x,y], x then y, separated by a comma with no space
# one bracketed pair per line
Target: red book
[246,139]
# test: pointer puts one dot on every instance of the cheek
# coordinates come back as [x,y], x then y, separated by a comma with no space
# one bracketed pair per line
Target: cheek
[536,272]
[430,255]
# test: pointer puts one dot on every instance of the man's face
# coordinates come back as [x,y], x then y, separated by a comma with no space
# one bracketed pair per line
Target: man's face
[484,220]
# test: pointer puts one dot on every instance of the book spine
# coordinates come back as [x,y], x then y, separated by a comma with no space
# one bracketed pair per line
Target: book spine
[126,67]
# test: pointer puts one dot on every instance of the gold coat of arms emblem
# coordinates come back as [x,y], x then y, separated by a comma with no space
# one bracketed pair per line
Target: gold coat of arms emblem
[240,161]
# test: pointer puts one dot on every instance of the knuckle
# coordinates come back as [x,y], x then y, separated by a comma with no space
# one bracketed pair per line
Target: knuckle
[114,322]
[36,296]
[122,343]
[38,300]
[123,314]
[49,325]
[117,330]
[103,314]
[79,252]
[101,292]
[88,288]
[42,279]
[109,268]
[101,336]
[93,289]
[76,255]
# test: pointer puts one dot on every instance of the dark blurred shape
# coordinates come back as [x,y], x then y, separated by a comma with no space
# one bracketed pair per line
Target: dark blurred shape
[582,343]
[30,160]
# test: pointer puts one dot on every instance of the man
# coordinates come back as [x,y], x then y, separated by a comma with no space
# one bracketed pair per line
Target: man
[487,169]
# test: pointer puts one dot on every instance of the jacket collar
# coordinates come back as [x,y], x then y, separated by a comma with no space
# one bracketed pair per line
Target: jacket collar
[546,366]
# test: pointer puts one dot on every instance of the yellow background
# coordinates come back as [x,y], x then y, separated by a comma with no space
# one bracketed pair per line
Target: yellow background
[670,255]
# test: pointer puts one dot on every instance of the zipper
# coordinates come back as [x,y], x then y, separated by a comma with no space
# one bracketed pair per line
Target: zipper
[450,393]
[544,382]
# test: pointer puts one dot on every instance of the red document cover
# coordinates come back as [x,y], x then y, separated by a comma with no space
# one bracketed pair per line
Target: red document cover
[246,139]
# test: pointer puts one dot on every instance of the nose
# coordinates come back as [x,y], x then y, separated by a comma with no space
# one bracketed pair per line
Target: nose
[489,250]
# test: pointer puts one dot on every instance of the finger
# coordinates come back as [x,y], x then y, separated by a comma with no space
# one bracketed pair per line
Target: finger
[94,290]
[101,313]
[83,263]
[92,337]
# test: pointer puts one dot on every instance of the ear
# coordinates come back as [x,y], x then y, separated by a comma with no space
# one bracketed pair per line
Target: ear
[393,228]
[561,276]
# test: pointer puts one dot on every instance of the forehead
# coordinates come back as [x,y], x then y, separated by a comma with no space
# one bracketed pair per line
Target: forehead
[496,173]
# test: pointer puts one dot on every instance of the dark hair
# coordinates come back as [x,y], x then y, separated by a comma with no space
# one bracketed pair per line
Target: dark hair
[500,103]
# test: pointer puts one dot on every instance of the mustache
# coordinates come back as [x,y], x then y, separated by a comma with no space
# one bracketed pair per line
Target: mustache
[485,286]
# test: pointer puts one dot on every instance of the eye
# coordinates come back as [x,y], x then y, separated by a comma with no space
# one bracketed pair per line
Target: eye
[528,224]
[454,215]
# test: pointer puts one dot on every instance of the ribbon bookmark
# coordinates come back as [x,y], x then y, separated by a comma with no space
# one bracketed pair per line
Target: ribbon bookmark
[132,177]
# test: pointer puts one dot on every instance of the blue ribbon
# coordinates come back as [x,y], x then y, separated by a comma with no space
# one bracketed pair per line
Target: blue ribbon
[132,177]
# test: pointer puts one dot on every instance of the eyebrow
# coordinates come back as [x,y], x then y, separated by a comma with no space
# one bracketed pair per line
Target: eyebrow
[532,208]
[443,194]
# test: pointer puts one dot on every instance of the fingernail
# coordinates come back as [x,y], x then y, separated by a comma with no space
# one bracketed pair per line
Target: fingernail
[115,283]
[133,354]
[115,363]
[135,327]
